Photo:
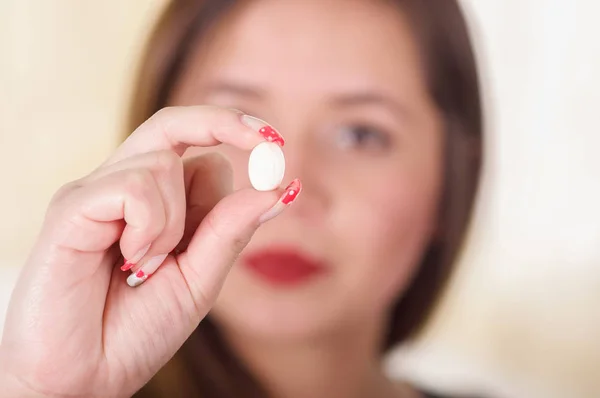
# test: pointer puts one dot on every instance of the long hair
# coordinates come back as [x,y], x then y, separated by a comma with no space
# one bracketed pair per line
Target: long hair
[205,366]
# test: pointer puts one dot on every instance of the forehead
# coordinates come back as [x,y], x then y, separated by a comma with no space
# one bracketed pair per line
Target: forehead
[332,41]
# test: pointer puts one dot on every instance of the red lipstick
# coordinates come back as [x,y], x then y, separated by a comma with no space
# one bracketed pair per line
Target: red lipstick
[283,266]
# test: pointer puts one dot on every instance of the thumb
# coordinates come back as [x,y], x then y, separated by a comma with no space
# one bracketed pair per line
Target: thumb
[224,233]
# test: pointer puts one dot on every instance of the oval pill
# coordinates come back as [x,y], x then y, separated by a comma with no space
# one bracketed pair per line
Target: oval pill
[266,166]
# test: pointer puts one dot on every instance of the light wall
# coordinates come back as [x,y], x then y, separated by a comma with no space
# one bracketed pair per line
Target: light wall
[66,67]
[520,318]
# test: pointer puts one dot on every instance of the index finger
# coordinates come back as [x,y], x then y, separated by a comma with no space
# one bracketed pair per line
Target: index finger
[177,128]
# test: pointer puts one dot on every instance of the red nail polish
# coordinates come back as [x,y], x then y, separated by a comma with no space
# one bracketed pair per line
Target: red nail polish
[291,192]
[271,135]
[140,274]
[127,266]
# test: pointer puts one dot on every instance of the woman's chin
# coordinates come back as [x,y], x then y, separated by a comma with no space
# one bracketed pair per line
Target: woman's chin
[276,322]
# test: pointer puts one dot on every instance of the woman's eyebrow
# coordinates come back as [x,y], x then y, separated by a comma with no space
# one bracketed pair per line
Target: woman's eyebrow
[227,87]
[350,99]
[361,98]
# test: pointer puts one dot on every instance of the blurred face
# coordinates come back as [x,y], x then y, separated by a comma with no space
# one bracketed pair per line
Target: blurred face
[342,81]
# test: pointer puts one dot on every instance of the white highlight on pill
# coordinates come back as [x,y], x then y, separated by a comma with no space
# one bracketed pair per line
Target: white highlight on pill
[266,166]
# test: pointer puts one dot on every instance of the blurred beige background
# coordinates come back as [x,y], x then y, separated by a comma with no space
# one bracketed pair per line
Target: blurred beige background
[521,318]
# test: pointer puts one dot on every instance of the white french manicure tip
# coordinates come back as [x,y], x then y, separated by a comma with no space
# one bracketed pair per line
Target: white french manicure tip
[267,132]
[253,122]
[272,213]
[134,280]
[139,277]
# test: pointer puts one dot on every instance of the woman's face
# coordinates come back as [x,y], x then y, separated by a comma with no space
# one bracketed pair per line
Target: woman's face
[343,82]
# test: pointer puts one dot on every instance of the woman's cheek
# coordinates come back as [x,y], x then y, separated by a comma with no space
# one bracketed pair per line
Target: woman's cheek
[389,237]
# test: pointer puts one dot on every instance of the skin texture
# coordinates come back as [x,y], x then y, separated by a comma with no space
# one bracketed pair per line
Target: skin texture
[369,205]
[74,327]
[349,96]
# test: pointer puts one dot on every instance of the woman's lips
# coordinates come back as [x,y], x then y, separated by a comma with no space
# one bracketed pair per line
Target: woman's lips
[283,266]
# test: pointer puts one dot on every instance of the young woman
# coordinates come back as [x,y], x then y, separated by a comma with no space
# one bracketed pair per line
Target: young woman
[379,107]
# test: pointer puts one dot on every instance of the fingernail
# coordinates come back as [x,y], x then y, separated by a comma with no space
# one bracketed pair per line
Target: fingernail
[289,196]
[268,132]
[134,260]
[139,277]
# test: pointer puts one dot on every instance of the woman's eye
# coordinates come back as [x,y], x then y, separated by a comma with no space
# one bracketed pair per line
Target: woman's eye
[362,137]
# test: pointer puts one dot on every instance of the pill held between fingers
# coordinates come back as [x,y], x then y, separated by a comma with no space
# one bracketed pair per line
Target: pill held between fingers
[266,166]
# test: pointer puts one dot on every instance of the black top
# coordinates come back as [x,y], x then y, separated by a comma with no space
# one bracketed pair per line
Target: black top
[426,394]
[429,395]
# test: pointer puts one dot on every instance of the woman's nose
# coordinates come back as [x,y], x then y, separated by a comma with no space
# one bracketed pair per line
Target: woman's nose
[304,163]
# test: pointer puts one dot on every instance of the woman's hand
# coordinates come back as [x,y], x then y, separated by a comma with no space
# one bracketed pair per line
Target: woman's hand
[74,327]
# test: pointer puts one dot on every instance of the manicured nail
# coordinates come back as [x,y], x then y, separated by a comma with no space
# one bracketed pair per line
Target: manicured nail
[150,267]
[268,132]
[289,196]
[134,260]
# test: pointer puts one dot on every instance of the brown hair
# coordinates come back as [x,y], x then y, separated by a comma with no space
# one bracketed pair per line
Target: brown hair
[442,32]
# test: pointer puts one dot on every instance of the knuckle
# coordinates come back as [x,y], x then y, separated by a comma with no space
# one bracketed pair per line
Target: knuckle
[238,244]
[161,118]
[160,115]
[205,298]
[139,182]
[214,227]
[62,192]
[63,218]
[163,111]
[157,120]
[172,235]
[202,297]
[63,201]
[177,222]
[162,121]
[167,161]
